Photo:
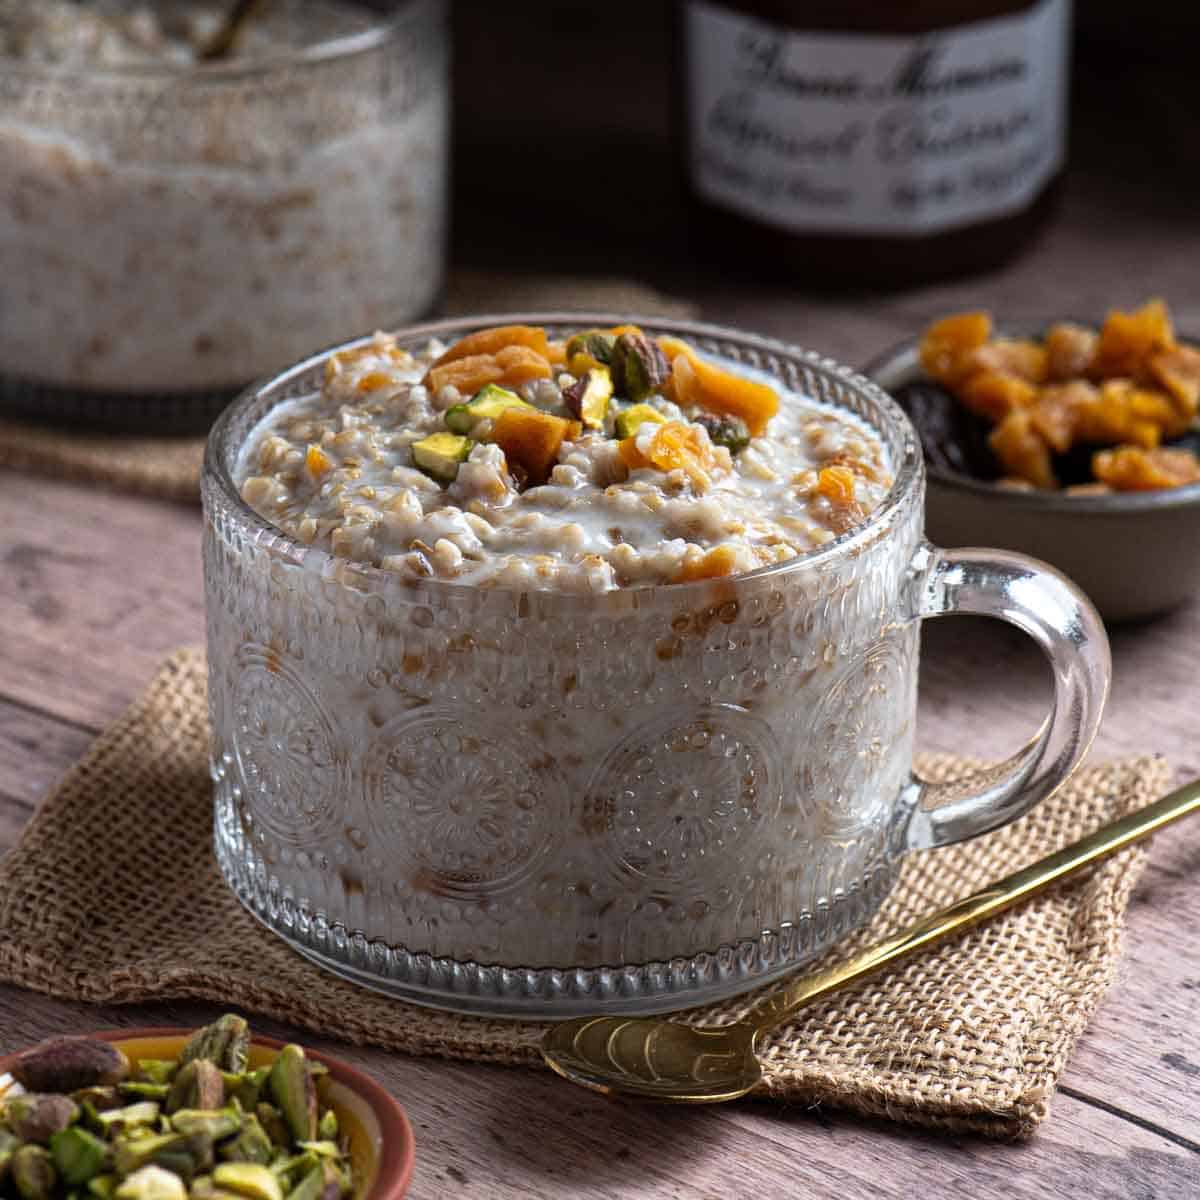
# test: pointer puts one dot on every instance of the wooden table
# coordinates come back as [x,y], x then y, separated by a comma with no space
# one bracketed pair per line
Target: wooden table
[95,588]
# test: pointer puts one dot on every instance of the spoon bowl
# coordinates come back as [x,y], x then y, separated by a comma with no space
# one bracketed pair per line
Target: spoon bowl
[655,1059]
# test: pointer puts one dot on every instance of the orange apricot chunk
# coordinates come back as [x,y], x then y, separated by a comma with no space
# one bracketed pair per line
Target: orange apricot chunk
[1128,341]
[994,394]
[491,341]
[1178,372]
[531,439]
[317,461]
[466,374]
[1070,350]
[1134,469]
[1021,450]
[947,346]
[1055,413]
[836,484]
[705,385]
[521,364]
[1018,357]
[712,564]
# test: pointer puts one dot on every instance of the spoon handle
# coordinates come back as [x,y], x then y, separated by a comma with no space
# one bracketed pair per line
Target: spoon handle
[1001,895]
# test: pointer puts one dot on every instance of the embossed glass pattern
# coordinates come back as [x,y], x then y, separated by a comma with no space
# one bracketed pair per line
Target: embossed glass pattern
[541,804]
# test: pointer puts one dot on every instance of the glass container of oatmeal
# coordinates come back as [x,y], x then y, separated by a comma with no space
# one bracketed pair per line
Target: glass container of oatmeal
[608,737]
[171,229]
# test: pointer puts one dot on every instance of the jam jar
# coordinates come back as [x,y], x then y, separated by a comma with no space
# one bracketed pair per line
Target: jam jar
[863,143]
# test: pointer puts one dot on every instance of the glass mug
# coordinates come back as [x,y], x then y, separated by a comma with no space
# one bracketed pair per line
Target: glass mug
[539,804]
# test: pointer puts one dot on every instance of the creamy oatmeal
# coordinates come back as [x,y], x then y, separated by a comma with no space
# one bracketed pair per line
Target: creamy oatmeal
[167,227]
[608,460]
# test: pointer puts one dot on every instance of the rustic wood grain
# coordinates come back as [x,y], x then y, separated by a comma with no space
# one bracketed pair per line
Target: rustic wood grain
[492,1132]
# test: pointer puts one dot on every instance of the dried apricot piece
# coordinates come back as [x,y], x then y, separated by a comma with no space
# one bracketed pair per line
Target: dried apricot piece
[948,344]
[495,339]
[466,374]
[520,364]
[836,484]
[1021,449]
[1178,371]
[531,439]
[1055,414]
[1128,341]
[679,445]
[1134,469]
[703,385]
[994,394]
[712,564]
[318,462]
[1070,351]
[1018,357]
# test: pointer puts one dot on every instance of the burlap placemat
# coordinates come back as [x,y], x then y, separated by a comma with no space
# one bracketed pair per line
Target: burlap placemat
[170,467]
[113,895]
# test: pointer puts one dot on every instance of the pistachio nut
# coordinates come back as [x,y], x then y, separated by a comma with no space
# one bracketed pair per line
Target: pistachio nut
[66,1064]
[151,1183]
[33,1173]
[639,367]
[78,1155]
[251,1180]
[36,1118]
[198,1085]
[293,1090]
[226,1042]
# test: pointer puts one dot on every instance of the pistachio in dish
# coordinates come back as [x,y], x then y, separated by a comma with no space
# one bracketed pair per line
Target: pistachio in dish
[1081,410]
[84,1122]
[603,460]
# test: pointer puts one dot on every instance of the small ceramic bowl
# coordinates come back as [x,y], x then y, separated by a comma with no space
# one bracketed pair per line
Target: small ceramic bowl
[381,1139]
[1136,554]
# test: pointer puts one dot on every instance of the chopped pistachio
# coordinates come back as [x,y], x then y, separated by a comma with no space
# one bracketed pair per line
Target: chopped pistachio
[327,1128]
[218,1124]
[198,1085]
[78,1155]
[730,432]
[33,1173]
[36,1118]
[123,1119]
[271,1119]
[226,1043]
[631,419]
[151,1183]
[251,1145]
[66,1064]
[595,343]
[441,454]
[156,1070]
[248,1179]
[588,397]
[102,1187]
[294,1092]
[639,367]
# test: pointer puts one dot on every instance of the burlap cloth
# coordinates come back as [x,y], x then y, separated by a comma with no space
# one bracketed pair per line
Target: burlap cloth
[113,895]
[170,467]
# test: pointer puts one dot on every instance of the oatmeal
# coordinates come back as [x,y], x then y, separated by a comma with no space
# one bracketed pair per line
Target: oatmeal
[167,227]
[605,461]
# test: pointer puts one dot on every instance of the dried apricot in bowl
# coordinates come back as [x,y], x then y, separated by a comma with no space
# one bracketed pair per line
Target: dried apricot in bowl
[705,385]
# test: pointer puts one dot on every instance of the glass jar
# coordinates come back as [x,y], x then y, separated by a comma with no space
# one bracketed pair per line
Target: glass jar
[169,232]
[870,144]
[536,803]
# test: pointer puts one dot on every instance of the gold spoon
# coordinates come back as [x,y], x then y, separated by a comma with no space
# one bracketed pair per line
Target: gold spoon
[656,1058]
[225,40]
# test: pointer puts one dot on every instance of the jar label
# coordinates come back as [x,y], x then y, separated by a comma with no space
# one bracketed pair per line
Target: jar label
[875,133]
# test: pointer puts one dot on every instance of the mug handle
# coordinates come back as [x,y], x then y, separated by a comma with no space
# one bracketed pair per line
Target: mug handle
[1048,607]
